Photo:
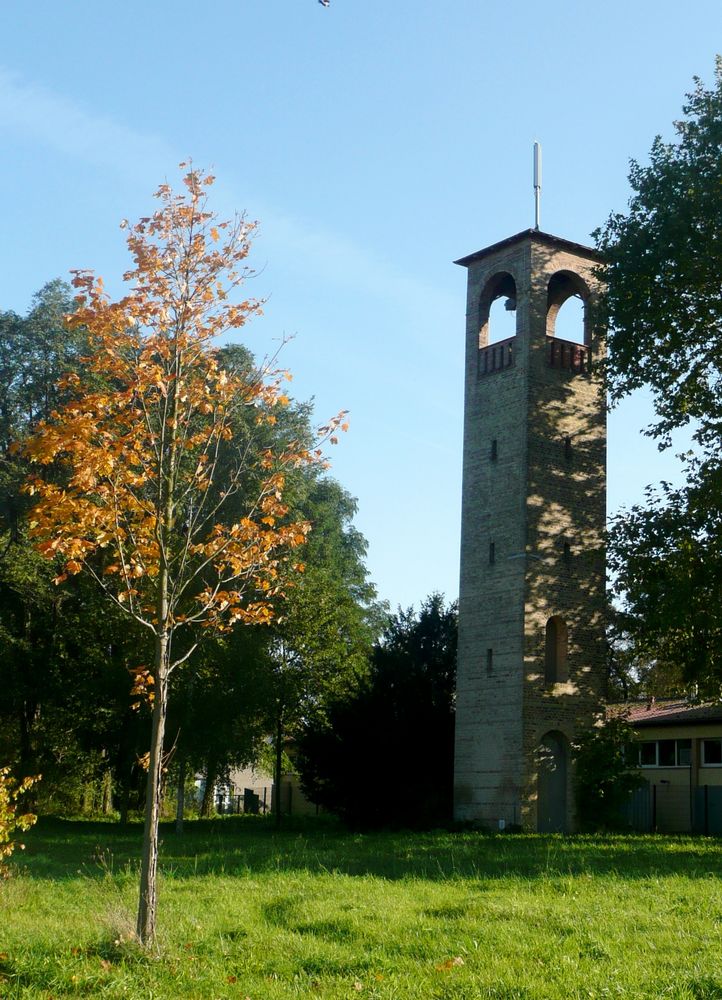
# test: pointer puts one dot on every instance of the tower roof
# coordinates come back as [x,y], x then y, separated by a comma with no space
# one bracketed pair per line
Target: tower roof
[534,236]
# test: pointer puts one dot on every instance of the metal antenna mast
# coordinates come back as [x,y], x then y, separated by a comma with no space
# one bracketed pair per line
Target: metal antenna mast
[537,183]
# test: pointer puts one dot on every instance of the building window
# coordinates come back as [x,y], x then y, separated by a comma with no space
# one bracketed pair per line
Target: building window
[648,754]
[494,450]
[489,661]
[712,753]
[555,654]
[667,753]
[492,553]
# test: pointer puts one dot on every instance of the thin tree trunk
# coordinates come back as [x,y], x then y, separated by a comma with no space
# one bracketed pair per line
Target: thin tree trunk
[145,928]
[180,801]
[278,770]
[107,793]
[166,521]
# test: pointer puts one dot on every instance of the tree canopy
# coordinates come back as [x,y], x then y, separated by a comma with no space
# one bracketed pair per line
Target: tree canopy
[329,617]
[666,564]
[46,721]
[663,274]
[383,753]
[67,655]
[663,307]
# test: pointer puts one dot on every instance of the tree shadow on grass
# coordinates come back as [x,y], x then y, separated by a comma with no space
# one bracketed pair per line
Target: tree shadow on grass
[239,846]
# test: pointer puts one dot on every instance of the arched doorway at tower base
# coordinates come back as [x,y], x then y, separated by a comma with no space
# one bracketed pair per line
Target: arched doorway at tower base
[552,811]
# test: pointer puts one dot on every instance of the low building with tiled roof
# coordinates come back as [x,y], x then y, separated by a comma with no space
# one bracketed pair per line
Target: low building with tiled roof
[680,757]
[672,712]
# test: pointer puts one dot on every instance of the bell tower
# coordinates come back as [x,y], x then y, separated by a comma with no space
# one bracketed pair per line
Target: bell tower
[532,603]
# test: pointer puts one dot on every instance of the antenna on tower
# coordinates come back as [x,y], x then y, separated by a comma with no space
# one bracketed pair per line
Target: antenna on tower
[537,183]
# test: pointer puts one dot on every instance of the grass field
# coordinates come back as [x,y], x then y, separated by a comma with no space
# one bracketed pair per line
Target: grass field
[317,912]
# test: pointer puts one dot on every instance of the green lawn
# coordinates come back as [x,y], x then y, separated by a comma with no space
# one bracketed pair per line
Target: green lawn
[316,912]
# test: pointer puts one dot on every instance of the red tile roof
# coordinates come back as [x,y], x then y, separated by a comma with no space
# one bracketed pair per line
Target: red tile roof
[668,712]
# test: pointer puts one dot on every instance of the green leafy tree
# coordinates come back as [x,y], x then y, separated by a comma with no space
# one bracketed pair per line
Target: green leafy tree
[257,682]
[35,352]
[663,273]
[383,754]
[632,674]
[217,713]
[666,564]
[662,305]
[321,645]
[606,772]
[61,710]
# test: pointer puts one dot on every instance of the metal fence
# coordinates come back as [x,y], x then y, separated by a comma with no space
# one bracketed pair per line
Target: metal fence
[254,802]
[665,808]
[261,800]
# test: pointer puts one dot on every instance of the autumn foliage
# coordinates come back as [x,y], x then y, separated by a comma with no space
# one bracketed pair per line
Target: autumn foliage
[145,448]
[154,477]
[10,819]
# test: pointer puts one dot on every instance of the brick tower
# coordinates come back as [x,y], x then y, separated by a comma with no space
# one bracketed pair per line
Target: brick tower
[531,605]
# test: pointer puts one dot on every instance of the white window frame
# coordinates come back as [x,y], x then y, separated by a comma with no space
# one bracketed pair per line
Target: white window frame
[667,767]
[709,739]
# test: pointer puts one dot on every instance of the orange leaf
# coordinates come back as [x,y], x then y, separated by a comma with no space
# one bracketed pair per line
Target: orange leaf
[449,964]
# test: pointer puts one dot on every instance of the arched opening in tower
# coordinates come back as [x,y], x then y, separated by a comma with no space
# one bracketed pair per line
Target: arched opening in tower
[569,324]
[497,310]
[567,313]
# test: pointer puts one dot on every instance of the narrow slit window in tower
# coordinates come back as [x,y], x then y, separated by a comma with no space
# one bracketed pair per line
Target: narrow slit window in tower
[492,553]
[555,655]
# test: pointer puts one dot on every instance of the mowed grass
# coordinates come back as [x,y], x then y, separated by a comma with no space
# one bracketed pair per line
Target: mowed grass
[246,912]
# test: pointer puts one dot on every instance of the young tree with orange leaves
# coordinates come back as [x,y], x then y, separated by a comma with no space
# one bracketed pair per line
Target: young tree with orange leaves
[182,524]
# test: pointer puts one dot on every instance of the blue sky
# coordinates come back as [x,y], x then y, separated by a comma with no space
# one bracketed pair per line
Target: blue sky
[375,142]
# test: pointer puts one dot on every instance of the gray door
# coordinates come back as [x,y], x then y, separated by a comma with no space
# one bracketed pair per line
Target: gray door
[552,800]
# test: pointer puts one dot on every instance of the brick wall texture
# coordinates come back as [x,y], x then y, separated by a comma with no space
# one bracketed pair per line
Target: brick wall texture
[538,496]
